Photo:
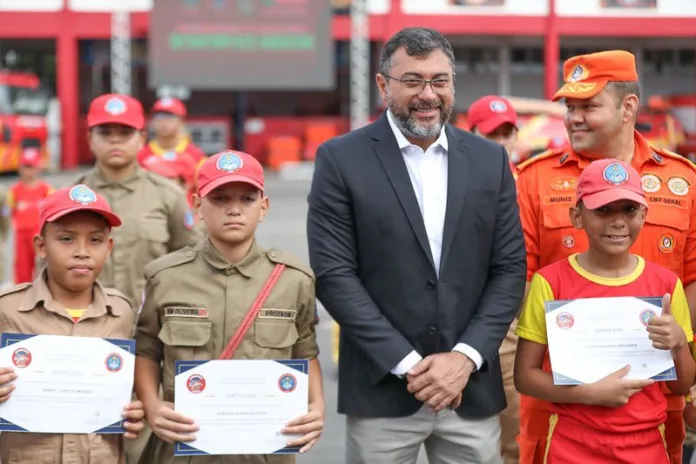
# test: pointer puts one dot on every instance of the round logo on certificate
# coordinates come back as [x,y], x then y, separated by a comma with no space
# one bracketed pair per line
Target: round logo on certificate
[287,383]
[645,316]
[21,357]
[114,362]
[195,383]
[565,321]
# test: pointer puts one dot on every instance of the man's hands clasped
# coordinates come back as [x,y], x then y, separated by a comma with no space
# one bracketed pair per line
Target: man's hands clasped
[439,380]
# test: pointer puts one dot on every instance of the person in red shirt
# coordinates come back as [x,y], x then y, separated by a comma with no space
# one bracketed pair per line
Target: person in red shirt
[24,201]
[170,141]
[613,420]
[493,118]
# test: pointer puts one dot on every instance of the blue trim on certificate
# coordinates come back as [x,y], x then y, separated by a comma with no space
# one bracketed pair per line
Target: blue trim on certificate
[301,365]
[126,345]
[555,304]
[7,339]
[182,449]
[7,426]
[115,428]
[183,366]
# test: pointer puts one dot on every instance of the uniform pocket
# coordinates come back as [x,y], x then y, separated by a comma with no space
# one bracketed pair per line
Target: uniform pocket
[184,340]
[34,455]
[558,235]
[664,238]
[275,338]
[154,236]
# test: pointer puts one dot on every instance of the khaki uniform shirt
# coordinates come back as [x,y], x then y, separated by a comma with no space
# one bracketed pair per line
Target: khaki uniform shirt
[156,220]
[194,302]
[29,308]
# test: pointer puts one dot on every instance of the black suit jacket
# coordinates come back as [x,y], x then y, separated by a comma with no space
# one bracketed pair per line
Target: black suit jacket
[375,273]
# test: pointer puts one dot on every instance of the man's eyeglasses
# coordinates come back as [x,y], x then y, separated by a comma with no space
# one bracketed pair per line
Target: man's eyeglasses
[415,86]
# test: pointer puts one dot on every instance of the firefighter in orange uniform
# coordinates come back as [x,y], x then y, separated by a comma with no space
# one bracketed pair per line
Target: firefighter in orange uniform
[24,201]
[601,93]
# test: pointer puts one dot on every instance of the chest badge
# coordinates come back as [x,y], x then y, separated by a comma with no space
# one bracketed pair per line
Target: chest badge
[650,183]
[568,241]
[564,184]
[678,186]
[666,244]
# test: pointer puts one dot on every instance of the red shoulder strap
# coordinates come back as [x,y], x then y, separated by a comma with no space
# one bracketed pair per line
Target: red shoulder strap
[244,327]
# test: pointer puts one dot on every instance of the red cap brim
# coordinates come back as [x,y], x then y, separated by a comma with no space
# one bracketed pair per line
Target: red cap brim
[229,179]
[599,199]
[138,123]
[490,124]
[111,218]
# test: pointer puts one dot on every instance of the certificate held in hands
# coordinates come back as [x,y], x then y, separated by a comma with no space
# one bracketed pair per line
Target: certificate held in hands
[591,338]
[240,406]
[66,384]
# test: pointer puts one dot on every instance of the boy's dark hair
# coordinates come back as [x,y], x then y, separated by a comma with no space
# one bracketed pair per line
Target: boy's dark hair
[417,41]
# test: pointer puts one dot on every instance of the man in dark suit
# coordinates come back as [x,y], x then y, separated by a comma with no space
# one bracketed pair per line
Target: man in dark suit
[415,238]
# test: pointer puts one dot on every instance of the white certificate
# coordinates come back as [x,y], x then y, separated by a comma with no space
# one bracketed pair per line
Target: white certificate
[240,406]
[590,338]
[66,384]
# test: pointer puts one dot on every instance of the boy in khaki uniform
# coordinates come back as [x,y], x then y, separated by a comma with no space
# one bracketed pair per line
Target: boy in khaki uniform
[196,299]
[156,217]
[66,299]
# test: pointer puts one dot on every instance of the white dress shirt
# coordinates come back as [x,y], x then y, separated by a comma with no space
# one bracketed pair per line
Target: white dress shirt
[428,172]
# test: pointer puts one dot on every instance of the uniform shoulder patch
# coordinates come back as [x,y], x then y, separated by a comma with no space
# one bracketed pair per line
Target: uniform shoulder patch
[541,156]
[15,289]
[112,292]
[290,260]
[176,258]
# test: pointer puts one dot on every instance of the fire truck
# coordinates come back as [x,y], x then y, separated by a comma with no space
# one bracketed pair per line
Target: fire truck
[23,124]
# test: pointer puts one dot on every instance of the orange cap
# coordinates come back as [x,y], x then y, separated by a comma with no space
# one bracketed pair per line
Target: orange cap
[586,75]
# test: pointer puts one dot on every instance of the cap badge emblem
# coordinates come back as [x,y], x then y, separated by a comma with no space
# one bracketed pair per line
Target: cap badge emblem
[615,174]
[82,194]
[229,162]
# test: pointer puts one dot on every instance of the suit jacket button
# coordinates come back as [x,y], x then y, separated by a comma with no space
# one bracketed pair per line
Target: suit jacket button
[430,284]
[432,331]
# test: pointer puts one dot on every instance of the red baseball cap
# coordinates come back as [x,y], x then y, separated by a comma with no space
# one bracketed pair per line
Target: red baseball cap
[227,167]
[490,112]
[116,109]
[31,157]
[75,198]
[170,105]
[608,180]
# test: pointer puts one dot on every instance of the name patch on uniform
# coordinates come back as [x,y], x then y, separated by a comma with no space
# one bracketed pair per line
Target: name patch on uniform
[554,200]
[671,201]
[286,314]
[185,311]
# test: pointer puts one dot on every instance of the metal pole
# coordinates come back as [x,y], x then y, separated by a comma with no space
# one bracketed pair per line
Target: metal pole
[120,52]
[359,65]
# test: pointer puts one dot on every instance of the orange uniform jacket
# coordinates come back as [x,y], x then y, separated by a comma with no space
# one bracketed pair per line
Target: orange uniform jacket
[546,189]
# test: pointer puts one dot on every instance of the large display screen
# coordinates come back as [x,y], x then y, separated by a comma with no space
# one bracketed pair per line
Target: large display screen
[242,44]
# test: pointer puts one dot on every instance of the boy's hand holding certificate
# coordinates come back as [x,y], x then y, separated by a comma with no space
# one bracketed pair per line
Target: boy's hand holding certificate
[592,338]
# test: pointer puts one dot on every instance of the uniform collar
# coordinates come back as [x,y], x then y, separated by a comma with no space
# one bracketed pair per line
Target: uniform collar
[159,151]
[643,153]
[403,141]
[40,295]
[245,267]
[95,178]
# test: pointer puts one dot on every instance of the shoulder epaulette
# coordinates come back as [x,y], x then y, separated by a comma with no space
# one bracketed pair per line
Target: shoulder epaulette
[176,258]
[671,155]
[543,155]
[290,260]
[113,292]
[15,289]
[162,181]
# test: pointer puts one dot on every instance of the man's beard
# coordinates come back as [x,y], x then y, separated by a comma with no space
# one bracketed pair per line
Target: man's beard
[408,125]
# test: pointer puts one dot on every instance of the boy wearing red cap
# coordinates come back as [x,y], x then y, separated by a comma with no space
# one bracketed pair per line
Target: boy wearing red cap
[613,420]
[493,117]
[23,203]
[193,282]
[66,299]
